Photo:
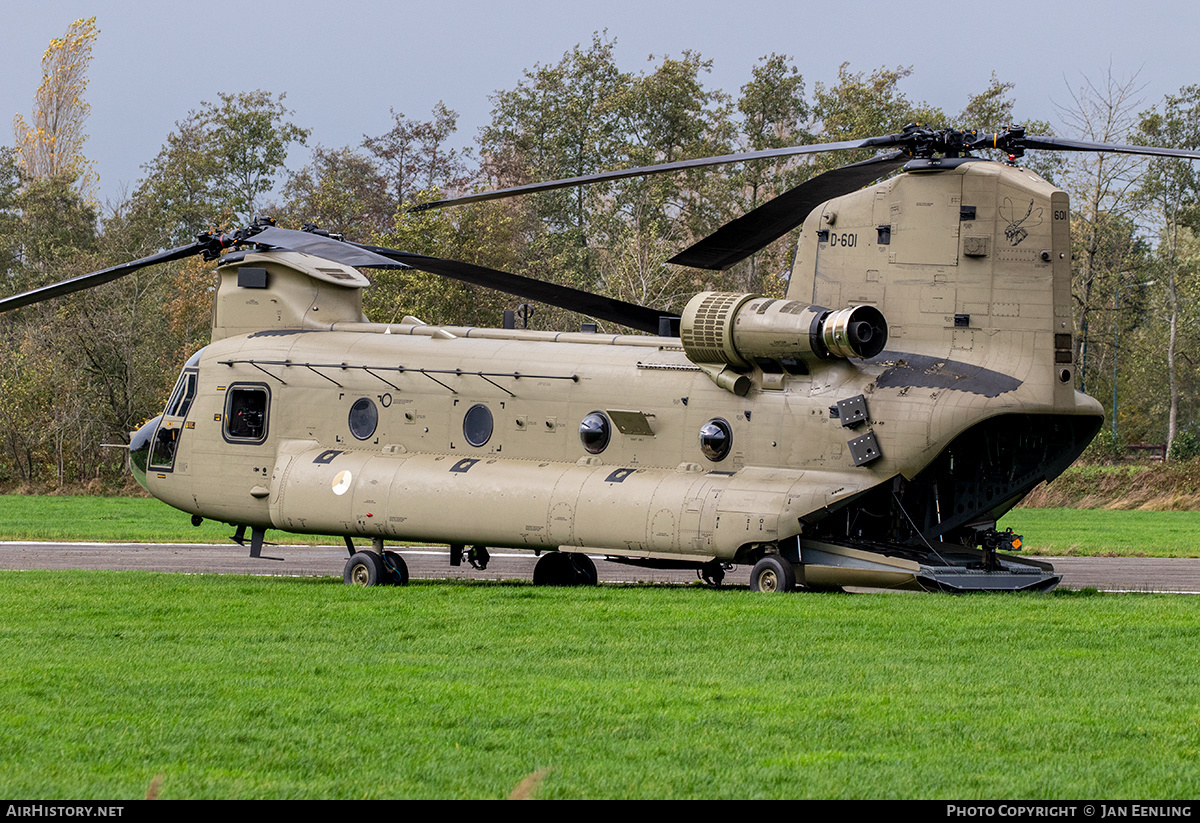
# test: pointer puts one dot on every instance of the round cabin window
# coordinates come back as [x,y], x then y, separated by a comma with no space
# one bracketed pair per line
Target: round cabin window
[594,432]
[716,439]
[477,425]
[364,417]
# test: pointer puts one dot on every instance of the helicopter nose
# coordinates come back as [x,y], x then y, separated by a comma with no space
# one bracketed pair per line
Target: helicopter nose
[139,450]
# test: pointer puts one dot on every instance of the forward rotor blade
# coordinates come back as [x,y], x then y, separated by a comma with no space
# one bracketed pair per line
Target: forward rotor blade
[662,168]
[593,305]
[1034,141]
[740,238]
[362,255]
[96,278]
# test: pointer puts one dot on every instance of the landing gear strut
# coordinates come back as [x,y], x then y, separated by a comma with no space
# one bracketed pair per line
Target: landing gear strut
[713,572]
[478,557]
[257,536]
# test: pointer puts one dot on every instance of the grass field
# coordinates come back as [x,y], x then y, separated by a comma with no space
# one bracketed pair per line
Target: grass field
[1092,532]
[142,520]
[111,520]
[233,687]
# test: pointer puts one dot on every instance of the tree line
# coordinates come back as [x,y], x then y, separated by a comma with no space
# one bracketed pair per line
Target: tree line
[78,374]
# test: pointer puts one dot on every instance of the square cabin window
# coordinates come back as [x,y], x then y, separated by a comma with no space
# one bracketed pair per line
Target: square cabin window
[246,414]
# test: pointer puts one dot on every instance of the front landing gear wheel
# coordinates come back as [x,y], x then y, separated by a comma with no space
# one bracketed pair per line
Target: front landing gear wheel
[364,569]
[773,574]
[396,569]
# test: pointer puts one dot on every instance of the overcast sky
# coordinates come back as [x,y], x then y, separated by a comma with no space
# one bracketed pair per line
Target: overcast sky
[344,64]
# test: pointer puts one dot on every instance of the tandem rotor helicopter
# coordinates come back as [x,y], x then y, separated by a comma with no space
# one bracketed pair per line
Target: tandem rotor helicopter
[868,429]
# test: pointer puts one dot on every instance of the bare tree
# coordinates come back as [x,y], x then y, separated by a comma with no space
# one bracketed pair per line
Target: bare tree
[1170,191]
[1100,185]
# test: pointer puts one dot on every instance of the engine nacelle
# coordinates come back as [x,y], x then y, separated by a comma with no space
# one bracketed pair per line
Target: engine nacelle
[741,330]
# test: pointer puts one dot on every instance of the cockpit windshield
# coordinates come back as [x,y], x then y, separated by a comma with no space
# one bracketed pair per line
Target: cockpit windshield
[182,397]
[170,427]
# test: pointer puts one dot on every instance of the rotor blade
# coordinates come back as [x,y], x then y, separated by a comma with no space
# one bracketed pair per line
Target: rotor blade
[740,238]
[320,245]
[661,168]
[380,257]
[593,305]
[96,278]
[1034,141]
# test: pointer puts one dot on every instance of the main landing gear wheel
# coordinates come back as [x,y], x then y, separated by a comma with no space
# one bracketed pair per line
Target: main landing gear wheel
[773,574]
[364,569]
[585,570]
[564,569]
[396,569]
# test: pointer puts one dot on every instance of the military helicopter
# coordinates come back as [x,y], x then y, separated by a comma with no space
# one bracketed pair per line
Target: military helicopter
[869,429]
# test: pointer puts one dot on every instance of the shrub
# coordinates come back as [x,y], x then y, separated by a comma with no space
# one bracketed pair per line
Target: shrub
[1185,446]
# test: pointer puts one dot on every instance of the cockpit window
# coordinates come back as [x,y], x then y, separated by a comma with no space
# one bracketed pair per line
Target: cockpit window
[166,437]
[194,360]
[246,413]
[182,397]
[162,451]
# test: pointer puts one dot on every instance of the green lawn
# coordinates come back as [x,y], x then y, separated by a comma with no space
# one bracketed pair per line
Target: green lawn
[1091,532]
[285,688]
[112,520]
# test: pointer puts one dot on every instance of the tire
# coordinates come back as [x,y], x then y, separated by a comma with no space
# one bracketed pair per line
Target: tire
[554,569]
[363,569]
[585,570]
[773,574]
[396,570]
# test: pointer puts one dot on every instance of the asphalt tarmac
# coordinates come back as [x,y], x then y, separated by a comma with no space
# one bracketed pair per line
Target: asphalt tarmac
[1125,574]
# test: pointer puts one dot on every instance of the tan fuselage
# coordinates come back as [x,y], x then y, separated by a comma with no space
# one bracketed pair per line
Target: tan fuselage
[979,327]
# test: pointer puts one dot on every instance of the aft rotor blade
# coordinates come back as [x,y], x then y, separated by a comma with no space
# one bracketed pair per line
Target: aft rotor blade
[1063,144]
[593,305]
[740,238]
[321,245]
[96,278]
[663,168]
